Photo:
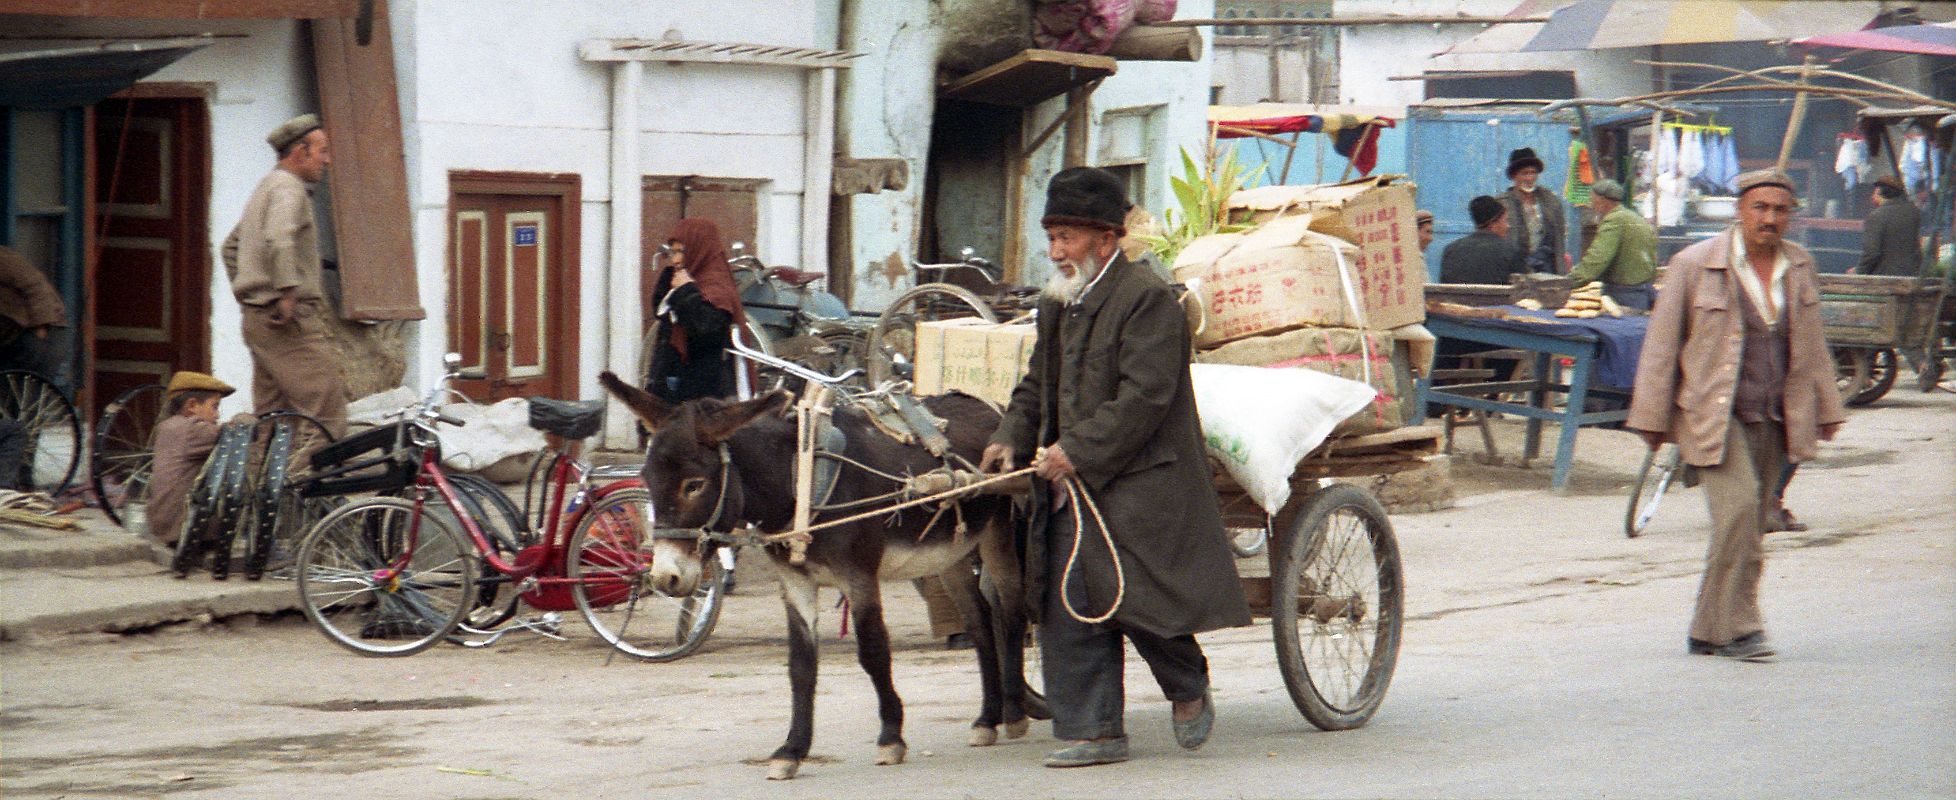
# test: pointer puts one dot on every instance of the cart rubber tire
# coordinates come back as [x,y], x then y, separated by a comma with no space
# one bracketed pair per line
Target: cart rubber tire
[630,616]
[1853,372]
[335,571]
[1337,648]
[1882,368]
[877,356]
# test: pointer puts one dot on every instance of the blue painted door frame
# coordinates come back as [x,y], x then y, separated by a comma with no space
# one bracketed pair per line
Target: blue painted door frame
[1455,156]
[68,266]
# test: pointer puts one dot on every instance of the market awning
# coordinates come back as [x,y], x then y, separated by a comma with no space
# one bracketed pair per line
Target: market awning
[1937,39]
[1270,119]
[1030,77]
[79,72]
[1602,24]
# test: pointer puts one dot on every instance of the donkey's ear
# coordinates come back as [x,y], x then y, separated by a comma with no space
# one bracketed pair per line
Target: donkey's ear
[648,408]
[718,424]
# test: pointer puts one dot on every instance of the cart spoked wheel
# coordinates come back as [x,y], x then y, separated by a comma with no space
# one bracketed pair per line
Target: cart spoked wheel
[1337,605]
[51,430]
[275,517]
[1660,468]
[1853,372]
[1881,377]
[120,456]
[213,510]
[892,350]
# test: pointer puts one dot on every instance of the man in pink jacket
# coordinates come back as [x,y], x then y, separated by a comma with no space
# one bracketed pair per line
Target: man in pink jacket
[1736,371]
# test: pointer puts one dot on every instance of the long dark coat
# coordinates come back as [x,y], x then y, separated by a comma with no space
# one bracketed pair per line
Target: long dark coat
[1891,242]
[1109,381]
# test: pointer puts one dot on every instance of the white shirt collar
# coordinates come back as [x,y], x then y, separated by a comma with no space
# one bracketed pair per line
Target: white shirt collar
[1749,280]
[1096,278]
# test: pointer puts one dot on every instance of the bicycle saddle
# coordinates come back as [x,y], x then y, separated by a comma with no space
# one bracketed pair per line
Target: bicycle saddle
[570,419]
[794,277]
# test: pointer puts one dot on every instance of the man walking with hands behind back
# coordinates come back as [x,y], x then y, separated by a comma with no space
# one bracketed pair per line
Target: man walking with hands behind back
[1735,370]
[273,257]
[1107,400]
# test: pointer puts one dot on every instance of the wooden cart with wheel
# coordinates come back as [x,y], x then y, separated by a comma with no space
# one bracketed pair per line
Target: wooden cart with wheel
[1870,321]
[1334,589]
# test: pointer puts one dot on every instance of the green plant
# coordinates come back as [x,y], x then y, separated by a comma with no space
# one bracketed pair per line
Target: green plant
[1202,196]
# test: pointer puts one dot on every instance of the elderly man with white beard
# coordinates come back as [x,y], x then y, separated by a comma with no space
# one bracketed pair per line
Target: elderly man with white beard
[1107,402]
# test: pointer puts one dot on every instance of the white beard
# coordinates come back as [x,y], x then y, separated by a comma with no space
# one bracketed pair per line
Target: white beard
[1066,289]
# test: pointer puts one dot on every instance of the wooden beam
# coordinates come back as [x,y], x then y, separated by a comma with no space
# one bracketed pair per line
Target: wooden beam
[1076,126]
[190,9]
[1157,43]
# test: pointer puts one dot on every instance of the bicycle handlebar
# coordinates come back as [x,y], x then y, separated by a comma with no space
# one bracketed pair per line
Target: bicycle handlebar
[741,349]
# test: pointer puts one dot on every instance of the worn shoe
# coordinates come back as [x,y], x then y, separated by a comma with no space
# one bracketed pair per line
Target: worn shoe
[958,641]
[1191,734]
[1784,521]
[1750,647]
[1089,753]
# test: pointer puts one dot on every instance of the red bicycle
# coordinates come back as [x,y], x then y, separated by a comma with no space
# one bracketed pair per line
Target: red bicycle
[392,575]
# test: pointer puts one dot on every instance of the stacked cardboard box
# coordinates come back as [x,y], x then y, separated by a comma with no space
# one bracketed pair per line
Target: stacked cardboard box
[973,356]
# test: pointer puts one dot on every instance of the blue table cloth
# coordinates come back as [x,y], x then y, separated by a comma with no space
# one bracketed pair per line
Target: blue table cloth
[1620,339]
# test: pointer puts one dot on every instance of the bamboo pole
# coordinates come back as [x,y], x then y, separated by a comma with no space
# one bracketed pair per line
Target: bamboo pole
[1799,117]
[1389,19]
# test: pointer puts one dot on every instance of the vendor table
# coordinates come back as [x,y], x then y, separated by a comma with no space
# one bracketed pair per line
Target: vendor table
[1604,354]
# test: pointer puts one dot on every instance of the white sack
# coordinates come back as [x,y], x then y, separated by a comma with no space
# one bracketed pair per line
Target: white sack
[1260,422]
[493,433]
[381,408]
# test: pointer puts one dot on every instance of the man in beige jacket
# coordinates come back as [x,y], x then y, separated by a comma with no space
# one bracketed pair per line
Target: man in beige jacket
[1735,370]
[273,258]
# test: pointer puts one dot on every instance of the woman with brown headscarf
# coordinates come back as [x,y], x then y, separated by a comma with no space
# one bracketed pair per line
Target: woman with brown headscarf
[698,308]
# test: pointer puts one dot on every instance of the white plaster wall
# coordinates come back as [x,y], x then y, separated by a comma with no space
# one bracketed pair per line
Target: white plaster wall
[498,85]
[263,76]
[884,111]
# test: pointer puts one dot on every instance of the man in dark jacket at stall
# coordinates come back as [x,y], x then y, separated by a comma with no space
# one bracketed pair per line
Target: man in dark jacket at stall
[1486,255]
[1107,414]
[1891,236]
[1535,215]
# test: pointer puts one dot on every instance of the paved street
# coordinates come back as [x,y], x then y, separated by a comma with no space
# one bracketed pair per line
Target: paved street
[1543,657]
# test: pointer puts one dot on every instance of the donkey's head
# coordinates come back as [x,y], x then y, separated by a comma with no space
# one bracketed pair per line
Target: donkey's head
[690,475]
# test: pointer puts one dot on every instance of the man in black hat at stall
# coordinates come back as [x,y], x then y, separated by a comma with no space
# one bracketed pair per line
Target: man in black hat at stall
[1486,255]
[1106,412]
[1535,217]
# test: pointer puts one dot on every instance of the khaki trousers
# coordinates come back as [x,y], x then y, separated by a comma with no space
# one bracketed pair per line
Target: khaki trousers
[1740,491]
[944,617]
[294,366]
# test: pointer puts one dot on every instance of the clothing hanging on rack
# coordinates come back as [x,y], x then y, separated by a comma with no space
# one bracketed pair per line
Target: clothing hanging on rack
[1915,162]
[1581,174]
[1691,153]
[1851,162]
[1726,176]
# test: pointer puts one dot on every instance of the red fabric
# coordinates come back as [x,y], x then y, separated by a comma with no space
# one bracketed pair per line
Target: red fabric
[706,262]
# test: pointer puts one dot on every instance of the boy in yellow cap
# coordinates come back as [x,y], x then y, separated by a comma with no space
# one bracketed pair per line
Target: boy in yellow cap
[183,440]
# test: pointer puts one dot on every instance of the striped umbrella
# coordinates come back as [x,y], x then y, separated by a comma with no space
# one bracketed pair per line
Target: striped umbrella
[1929,40]
[1599,24]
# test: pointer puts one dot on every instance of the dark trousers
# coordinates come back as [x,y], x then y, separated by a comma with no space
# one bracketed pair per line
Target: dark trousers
[1083,663]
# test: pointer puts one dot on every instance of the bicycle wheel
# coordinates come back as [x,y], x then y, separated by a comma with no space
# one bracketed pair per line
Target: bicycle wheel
[1338,642]
[1660,467]
[50,426]
[608,558]
[496,599]
[892,350]
[381,580]
[1882,371]
[121,452]
[215,503]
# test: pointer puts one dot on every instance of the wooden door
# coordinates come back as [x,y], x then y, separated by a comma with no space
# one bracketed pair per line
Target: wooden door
[151,307]
[512,284]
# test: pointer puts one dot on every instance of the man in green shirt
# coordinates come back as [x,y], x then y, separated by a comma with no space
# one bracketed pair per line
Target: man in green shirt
[1624,254]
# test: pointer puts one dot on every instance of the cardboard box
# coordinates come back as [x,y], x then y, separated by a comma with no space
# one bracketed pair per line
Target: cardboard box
[1377,215]
[1344,352]
[1280,276]
[973,356]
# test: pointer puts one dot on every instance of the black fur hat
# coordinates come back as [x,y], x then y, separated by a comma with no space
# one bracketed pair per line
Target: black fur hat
[1484,210]
[1524,157]
[1088,197]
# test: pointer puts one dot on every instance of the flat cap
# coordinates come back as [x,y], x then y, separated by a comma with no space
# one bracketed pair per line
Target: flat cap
[1422,217]
[1749,181]
[187,381]
[292,130]
[1607,188]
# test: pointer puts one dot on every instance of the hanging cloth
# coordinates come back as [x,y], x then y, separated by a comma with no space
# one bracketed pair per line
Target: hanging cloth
[1915,162]
[1728,164]
[1581,174]
[1667,152]
[1850,160]
[1691,153]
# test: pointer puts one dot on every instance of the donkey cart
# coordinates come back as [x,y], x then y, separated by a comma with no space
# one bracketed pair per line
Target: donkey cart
[1333,591]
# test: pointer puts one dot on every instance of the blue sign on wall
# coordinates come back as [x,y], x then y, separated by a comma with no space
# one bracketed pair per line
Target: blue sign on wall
[526,235]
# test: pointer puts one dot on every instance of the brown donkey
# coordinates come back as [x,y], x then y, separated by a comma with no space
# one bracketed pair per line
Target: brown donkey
[725,466]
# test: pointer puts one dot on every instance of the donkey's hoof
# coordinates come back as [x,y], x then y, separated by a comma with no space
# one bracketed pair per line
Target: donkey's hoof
[782,769]
[1017,728]
[983,736]
[890,754]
